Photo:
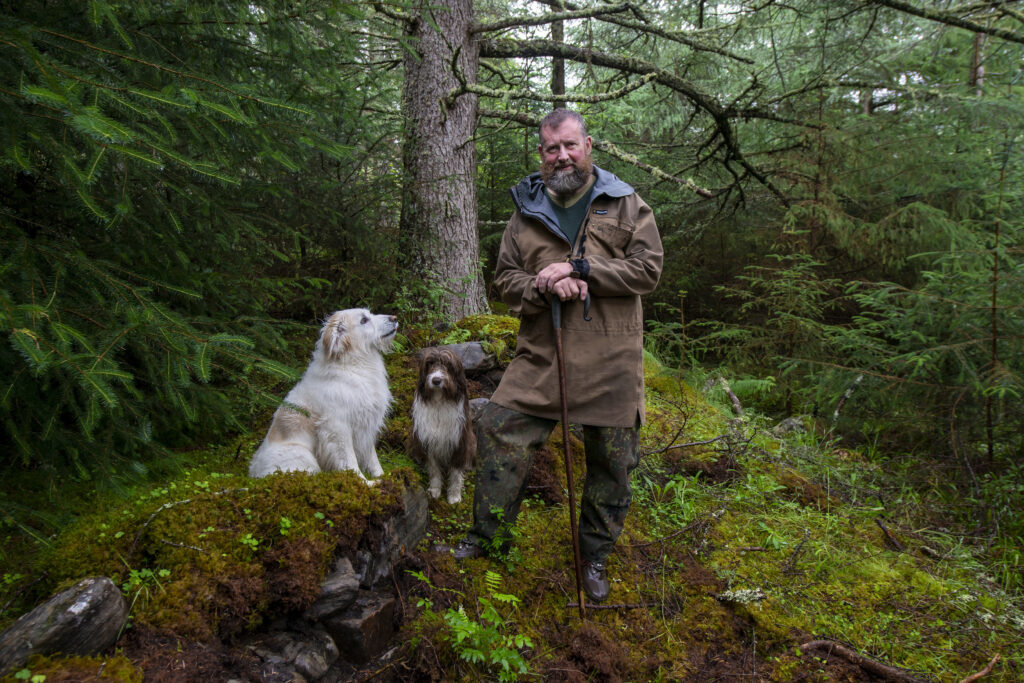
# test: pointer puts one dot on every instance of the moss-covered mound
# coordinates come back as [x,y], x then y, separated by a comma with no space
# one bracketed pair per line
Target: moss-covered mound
[208,555]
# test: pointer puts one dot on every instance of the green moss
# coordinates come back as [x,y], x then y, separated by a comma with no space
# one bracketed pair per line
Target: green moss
[116,669]
[497,333]
[205,556]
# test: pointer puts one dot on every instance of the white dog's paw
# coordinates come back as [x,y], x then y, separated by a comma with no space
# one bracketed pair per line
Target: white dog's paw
[434,491]
[454,497]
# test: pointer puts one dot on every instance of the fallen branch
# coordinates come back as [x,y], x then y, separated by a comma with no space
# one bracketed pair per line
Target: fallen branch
[889,673]
[736,406]
[678,532]
[673,446]
[892,539]
[984,672]
[846,396]
[790,565]
[631,605]
[183,546]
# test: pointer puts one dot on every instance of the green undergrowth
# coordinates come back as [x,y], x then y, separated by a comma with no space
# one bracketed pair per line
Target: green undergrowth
[741,545]
[208,554]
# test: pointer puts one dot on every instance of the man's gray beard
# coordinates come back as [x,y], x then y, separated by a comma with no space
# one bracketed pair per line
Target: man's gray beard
[566,184]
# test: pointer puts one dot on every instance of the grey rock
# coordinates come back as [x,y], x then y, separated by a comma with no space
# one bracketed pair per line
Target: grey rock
[82,620]
[400,533]
[474,358]
[789,426]
[308,652]
[337,592]
[365,629]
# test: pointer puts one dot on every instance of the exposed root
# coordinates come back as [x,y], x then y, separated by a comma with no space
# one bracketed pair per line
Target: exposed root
[889,673]
[984,672]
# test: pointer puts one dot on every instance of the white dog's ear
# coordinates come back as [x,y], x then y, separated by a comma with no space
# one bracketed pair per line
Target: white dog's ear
[334,338]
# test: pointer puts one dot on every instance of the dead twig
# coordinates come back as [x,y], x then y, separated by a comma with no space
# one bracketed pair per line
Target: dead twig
[183,546]
[790,565]
[630,605]
[737,407]
[984,672]
[889,673]
[678,532]
[888,535]
[673,446]
[168,506]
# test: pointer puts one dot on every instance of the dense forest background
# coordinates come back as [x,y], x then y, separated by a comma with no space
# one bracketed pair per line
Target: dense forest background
[839,186]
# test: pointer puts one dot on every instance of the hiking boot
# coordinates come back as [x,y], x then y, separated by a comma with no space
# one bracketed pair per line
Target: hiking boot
[467,550]
[595,581]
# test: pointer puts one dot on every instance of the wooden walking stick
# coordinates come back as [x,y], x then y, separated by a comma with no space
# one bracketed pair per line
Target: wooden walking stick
[556,318]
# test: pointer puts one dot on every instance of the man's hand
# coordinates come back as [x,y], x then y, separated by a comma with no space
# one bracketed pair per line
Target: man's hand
[555,279]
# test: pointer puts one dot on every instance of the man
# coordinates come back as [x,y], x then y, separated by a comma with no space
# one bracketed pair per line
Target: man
[577,231]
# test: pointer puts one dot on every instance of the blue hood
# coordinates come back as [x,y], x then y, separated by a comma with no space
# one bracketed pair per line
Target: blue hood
[531,199]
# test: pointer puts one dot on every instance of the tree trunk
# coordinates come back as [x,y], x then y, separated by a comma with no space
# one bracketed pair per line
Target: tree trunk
[558,65]
[439,211]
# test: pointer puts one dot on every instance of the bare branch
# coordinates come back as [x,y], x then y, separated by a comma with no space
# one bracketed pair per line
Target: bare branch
[612,150]
[549,18]
[504,48]
[530,121]
[886,672]
[531,95]
[951,20]
[674,36]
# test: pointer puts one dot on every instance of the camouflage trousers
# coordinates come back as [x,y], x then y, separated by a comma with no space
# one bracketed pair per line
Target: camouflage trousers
[507,441]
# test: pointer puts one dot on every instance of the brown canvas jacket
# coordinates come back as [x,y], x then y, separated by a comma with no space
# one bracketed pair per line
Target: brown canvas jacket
[603,357]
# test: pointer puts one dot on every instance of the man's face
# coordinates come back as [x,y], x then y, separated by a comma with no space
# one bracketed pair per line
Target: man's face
[566,162]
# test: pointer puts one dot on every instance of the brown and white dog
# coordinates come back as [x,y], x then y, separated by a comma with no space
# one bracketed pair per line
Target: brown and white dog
[442,437]
[331,419]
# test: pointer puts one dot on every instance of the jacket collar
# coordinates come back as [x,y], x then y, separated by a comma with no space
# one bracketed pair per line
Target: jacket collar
[531,199]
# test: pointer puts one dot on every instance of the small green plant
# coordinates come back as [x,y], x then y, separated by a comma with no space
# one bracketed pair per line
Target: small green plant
[138,585]
[286,526]
[485,640]
[250,542]
[503,546]
[27,675]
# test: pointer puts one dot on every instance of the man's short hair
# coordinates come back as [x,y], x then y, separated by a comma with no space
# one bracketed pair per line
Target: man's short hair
[555,118]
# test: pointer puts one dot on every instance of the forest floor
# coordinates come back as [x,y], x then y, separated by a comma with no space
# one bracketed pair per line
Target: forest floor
[747,555]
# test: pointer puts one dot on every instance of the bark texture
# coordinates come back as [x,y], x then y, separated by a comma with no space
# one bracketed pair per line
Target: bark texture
[439,221]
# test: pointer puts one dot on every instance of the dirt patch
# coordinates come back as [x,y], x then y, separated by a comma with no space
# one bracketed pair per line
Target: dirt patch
[720,470]
[165,658]
[808,493]
[591,656]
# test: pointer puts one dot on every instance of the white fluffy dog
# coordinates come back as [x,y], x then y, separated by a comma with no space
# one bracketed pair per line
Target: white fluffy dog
[331,419]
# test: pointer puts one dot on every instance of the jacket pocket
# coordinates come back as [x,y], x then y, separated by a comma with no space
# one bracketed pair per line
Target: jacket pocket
[606,238]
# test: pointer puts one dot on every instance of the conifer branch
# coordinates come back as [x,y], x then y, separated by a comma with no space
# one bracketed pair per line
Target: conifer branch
[644,26]
[174,72]
[951,20]
[506,95]
[688,183]
[531,121]
[723,125]
[552,17]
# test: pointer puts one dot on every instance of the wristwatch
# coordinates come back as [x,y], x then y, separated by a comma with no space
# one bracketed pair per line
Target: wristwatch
[580,269]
